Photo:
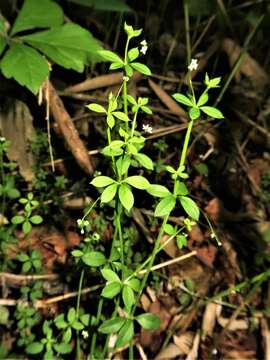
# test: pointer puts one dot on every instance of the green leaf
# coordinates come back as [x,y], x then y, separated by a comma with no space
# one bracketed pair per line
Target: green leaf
[213,112]
[123,165]
[27,227]
[144,161]
[18,219]
[128,296]
[165,206]
[120,115]
[190,207]
[69,45]
[111,290]
[112,325]
[194,113]
[134,284]
[77,253]
[182,99]
[149,321]
[181,240]
[125,334]
[126,197]
[109,151]
[38,14]
[143,69]
[202,100]
[158,190]
[110,275]
[131,100]
[22,257]
[137,181]
[109,193]
[102,181]
[67,335]
[104,5]
[97,108]
[115,66]
[181,189]
[71,316]
[110,56]
[169,229]
[110,121]
[34,348]
[13,193]
[77,325]
[63,348]
[133,54]
[36,219]
[26,66]
[94,258]
[3,32]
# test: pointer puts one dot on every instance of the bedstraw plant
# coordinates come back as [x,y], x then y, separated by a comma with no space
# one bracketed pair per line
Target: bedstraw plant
[124,282]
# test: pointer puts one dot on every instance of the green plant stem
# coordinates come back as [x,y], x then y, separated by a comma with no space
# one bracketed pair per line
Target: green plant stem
[94,337]
[78,348]
[161,232]
[134,123]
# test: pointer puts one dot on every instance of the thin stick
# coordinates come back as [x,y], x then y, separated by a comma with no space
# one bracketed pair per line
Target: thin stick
[47,117]
[169,262]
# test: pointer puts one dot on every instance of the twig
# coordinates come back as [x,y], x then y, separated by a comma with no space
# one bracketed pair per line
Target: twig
[170,262]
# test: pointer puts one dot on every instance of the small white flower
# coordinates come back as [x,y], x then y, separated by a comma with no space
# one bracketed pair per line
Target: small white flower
[2,139]
[85,334]
[125,78]
[144,47]
[193,65]
[147,128]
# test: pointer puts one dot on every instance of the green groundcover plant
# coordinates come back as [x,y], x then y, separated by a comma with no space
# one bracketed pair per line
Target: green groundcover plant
[124,284]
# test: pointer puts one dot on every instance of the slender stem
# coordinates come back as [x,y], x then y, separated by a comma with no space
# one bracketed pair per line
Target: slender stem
[78,349]
[94,337]
[186,142]
[134,123]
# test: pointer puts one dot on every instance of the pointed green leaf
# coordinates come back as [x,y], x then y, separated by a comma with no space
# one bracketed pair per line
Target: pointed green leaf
[109,193]
[38,14]
[26,66]
[112,325]
[194,113]
[111,290]
[144,161]
[125,334]
[97,108]
[190,207]
[94,258]
[17,219]
[165,206]
[181,189]
[158,190]
[202,100]
[128,296]
[110,275]
[34,348]
[63,348]
[26,227]
[143,69]
[126,197]
[213,112]
[169,229]
[69,45]
[182,99]
[102,181]
[120,115]
[137,181]
[36,219]
[149,321]
[110,56]
[133,54]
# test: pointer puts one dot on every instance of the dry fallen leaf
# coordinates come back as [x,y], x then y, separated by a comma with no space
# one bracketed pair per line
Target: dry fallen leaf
[184,342]
[209,320]
[170,352]
[69,130]
[16,124]
[249,67]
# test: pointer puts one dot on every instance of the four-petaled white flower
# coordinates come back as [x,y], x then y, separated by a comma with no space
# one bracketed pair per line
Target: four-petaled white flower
[144,47]
[125,78]
[193,65]
[2,139]
[147,128]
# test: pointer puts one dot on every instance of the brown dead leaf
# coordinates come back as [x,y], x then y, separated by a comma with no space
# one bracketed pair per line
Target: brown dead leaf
[171,248]
[167,99]
[184,341]
[170,352]
[16,124]
[249,67]
[266,338]
[193,354]
[209,320]
[196,234]
[69,130]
